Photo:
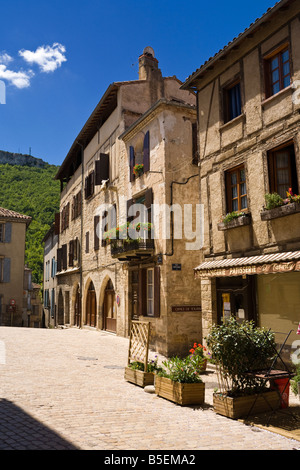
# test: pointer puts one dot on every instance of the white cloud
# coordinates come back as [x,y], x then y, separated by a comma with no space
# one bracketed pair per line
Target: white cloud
[19,79]
[5,58]
[49,58]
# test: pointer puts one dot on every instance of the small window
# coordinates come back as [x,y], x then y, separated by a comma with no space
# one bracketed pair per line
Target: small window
[150,291]
[236,189]
[232,102]
[277,71]
[282,170]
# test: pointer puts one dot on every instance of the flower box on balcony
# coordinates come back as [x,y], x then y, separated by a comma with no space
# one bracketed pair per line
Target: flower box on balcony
[281,211]
[239,221]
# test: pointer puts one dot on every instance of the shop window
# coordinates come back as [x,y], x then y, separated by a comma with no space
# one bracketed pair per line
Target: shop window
[236,189]
[232,101]
[277,71]
[282,170]
[145,292]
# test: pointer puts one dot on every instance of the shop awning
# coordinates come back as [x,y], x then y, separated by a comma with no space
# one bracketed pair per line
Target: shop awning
[262,264]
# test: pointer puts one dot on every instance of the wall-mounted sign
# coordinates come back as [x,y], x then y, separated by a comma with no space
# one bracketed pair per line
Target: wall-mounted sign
[176,267]
[186,308]
[271,268]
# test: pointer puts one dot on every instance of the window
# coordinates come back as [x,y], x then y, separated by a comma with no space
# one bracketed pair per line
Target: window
[277,71]
[236,189]
[232,102]
[150,291]
[140,155]
[89,185]
[2,226]
[282,170]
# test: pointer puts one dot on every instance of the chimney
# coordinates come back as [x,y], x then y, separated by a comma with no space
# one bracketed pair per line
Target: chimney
[148,65]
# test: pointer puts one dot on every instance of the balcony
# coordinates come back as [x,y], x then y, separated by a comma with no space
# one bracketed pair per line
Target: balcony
[125,250]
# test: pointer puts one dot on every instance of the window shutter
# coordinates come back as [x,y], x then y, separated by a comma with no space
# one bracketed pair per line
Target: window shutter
[6,270]
[59,259]
[102,169]
[131,163]
[86,187]
[142,297]
[87,242]
[8,227]
[64,256]
[56,223]
[148,198]
[96,231]
[130,202]
[71,252]
[146,157]
[157,291]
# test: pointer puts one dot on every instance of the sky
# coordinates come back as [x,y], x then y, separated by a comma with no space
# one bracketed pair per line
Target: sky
[57,58]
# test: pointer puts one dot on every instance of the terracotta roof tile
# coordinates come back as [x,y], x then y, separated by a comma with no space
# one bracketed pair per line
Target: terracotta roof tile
[13,215]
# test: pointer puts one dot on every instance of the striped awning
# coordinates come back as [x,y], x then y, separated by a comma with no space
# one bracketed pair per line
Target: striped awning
[262,264]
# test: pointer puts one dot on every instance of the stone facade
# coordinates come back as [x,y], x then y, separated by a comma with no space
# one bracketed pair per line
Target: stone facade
[104,287]
[50,281]
[248,118]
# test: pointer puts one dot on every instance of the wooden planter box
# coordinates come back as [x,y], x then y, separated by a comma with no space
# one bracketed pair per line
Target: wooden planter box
[180,393]
[238,222]
[240,407]
[281,211]
[139,377]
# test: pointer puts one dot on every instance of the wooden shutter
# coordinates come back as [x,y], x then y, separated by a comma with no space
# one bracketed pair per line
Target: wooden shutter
[148,198]
[131,163]
[96,231]
[56,223]
[64,256]
[102,168]
[146,156]
[7,232]
[130,202]
[157,291]
[87,242]
[142,292]
[59,259]
[71,252]
[6,270]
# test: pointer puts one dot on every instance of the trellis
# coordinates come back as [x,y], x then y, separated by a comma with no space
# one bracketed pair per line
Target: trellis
[139,342]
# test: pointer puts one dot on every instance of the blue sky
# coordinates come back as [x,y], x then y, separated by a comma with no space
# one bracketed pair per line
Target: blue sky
[58,57]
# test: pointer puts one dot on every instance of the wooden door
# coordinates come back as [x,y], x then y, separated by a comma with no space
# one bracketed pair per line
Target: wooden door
[91,307]
[110,309]
[77,309]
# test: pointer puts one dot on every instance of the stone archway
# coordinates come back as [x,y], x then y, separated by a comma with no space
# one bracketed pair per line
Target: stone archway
[91,306]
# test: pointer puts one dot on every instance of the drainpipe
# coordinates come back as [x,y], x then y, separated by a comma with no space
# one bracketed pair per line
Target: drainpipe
[172,214]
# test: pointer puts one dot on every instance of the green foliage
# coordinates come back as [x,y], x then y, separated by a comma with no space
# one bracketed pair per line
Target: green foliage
[152,366]
[296,380]
[238,348]
[34,192]
[233,215]
[273,200]
[183,370]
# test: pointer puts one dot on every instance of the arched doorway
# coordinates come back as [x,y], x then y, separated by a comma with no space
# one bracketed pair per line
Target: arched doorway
[60,308]
[77,308]
[91,306]
[109,308]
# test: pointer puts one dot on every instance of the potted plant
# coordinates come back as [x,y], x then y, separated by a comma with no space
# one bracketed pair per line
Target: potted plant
[234,219]
[135,372]
[238,349]
[138,169]
[180,381]
[197,355]
[275,206]
[295,383]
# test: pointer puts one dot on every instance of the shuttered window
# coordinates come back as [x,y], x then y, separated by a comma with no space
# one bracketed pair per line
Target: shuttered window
[149,291]
[102,169]
[5,232]
[89,185]
[5,269]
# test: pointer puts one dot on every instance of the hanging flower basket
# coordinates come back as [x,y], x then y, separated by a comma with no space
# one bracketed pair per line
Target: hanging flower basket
[138,169]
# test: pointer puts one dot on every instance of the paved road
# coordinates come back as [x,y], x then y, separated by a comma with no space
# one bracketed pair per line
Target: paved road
[65,389]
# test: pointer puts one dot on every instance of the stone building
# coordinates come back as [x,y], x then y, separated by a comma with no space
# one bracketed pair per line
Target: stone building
[12,254]
[50,282]
[147,124]
[249,158]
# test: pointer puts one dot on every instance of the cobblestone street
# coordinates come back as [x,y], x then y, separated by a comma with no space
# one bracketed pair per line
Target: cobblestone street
[65,389]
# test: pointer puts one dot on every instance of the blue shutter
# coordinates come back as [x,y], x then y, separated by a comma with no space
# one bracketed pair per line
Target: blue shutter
[131,163]
[6,270]
[8,226]
[146,156]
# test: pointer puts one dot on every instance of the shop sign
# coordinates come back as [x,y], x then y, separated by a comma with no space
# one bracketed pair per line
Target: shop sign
[271,268]
[186,308]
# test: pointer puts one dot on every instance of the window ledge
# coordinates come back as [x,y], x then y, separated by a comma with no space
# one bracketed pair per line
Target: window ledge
[277,95]
[234,121]
[238,222]
[282,211]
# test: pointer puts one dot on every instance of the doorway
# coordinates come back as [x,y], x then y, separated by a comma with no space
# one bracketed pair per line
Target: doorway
[109,309]
[91,306]
[77,309]
[60,312]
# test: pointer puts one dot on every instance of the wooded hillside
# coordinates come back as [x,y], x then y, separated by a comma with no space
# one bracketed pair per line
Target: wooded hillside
[34,192]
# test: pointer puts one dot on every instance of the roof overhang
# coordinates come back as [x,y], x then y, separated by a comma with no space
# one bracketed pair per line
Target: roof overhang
[263,264]
[191,82]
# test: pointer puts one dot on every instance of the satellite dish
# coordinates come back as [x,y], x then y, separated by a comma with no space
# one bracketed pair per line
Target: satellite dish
[149,51]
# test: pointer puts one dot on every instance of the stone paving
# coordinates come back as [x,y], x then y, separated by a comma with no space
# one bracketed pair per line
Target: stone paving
[65,389]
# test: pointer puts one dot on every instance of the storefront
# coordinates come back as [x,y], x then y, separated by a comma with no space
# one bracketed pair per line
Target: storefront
[264,288]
